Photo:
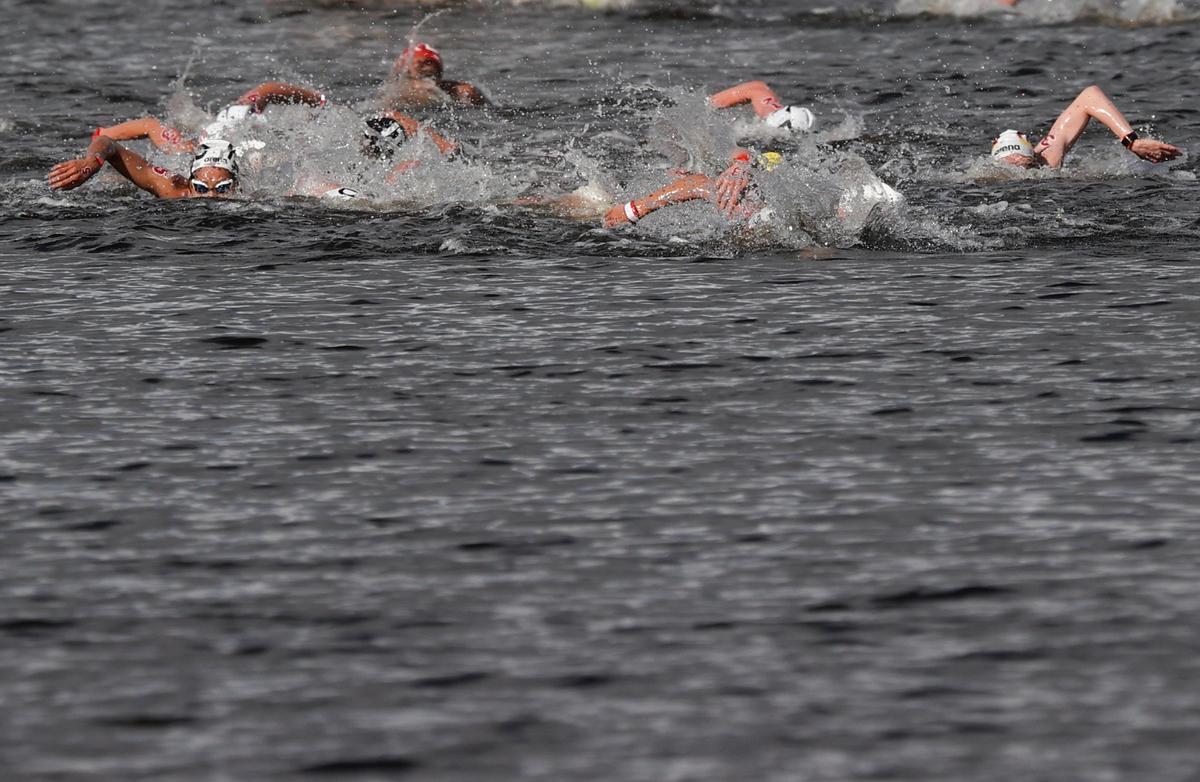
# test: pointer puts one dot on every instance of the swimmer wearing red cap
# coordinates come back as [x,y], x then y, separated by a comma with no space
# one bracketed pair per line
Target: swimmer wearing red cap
[214,170]
[1014,149]
[416,82]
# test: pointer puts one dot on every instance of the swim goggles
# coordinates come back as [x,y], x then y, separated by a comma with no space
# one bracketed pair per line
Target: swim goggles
[222,187]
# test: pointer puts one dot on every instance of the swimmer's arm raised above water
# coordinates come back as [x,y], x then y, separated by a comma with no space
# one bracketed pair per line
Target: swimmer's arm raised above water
[756,93]
[1091,104]
[165,137]
[279,92]
[129,164]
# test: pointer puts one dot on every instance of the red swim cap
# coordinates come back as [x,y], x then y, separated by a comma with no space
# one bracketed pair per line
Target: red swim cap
[422,51]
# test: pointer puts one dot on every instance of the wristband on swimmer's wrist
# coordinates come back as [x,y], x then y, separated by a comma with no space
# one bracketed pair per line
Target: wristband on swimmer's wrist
[1128,139]
[631,212]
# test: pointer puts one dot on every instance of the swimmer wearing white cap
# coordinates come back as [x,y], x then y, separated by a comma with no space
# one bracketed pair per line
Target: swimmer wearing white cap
[226,123]
[767,105]
[1014,148]
[213,170]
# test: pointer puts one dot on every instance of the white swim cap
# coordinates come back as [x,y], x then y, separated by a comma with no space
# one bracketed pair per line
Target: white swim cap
[381,135]
[226,120]
[791,118]
[1011,142]
[215,153]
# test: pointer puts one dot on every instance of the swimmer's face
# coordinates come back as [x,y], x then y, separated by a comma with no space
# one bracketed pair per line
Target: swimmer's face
[419,67]
[1020,161]
[212,182]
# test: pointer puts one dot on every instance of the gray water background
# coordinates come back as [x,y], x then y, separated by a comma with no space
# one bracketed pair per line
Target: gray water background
[440,490]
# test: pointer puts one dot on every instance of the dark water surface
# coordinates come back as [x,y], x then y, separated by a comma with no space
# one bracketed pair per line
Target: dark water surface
[432,488]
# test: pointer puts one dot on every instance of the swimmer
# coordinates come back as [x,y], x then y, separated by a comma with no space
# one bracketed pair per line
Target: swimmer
[254,101]
[766,104]
[213,170]
[1014,148]
[738,198]
[731,192]
[416,82]
[384,133]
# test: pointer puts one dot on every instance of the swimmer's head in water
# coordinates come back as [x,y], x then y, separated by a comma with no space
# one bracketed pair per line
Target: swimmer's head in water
[794,118]
[1013,147]
[214,168]
[420,61]
[381,136]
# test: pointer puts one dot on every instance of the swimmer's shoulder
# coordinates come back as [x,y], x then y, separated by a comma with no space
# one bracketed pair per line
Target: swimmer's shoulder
[463,92]
[169,184]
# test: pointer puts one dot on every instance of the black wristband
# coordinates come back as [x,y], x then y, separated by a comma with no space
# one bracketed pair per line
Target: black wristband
[1128,139]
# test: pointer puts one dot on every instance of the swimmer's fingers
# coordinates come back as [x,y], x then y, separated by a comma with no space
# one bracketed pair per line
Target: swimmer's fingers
[729,190]
[71,174]
[1154,151]
[731,183]
[615,216]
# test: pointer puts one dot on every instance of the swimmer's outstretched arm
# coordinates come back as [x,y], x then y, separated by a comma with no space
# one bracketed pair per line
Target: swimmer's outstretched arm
[688,188]
[412,127]
[726,191]
[1091,104]
[165,137]
[756,93]
[279,92]
[129,164]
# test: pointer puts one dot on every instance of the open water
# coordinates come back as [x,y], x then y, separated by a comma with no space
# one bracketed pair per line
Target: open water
[433,487]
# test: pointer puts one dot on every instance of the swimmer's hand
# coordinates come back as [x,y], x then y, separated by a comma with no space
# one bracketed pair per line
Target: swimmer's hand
[615,216]
[1154,151]
[71,174]
[731,184]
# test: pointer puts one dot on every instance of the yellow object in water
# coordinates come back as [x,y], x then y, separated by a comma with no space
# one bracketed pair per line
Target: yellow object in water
[769,160]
